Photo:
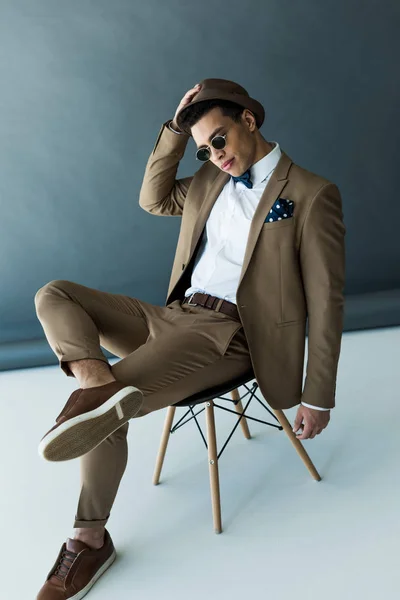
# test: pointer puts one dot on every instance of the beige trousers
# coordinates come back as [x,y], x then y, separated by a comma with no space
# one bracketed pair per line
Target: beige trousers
[168,352]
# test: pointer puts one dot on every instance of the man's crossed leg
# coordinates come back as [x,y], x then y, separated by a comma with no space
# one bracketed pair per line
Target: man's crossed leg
[167,354]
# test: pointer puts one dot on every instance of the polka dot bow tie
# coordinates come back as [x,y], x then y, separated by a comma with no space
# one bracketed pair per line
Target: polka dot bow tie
[245,179]
[282,209]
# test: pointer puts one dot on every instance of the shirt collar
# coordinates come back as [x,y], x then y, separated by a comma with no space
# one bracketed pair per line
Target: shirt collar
[264,167]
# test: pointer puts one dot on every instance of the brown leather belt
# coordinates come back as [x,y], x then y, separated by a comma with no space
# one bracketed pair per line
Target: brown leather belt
[214,303]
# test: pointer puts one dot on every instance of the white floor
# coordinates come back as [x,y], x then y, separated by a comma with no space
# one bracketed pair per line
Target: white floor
[285,536]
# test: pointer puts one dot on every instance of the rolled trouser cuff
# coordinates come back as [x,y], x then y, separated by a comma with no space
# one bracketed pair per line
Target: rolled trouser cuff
[79,524]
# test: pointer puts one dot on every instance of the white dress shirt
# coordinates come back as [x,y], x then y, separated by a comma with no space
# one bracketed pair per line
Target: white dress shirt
[219,259]
[220,256]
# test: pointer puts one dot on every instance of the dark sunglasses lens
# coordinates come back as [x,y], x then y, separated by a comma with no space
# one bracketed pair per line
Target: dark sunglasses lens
[203,154]
[219,142]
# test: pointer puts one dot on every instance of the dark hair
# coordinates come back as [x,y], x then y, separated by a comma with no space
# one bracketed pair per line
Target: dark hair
[190,115]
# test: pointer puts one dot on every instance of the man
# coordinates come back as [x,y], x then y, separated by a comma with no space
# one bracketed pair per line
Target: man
[261,249]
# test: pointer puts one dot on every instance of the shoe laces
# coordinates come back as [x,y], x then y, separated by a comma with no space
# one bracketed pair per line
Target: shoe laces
[64,564]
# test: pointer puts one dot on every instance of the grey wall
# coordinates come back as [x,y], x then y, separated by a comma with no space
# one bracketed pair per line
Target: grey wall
[85,86]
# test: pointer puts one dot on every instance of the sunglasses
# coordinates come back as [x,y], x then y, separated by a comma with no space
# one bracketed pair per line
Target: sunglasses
[218,142]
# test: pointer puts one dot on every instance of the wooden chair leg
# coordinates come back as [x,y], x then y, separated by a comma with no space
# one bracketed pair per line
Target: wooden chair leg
[164,443]
[213,466]
[297,444]
[239,408]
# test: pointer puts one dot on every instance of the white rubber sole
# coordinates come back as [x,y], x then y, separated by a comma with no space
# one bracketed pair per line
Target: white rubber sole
[95,577]
[83,433]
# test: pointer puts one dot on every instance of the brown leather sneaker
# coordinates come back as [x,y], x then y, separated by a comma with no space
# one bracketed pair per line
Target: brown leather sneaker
[77,569]
[88,418]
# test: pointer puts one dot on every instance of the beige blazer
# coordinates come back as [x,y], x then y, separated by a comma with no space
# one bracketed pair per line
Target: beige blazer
[293,269]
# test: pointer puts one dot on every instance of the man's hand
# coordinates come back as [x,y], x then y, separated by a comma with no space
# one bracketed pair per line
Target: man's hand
[310,422]
[187,98]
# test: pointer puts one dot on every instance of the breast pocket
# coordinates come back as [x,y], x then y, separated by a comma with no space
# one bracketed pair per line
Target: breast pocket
[279,224]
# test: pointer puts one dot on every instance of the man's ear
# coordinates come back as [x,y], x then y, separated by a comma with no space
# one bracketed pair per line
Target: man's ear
[249,120]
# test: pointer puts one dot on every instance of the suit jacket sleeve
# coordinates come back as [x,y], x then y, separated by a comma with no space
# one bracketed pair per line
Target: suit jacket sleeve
[322,256]
[161,193]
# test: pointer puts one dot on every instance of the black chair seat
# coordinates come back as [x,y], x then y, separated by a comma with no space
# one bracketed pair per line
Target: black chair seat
[218,390]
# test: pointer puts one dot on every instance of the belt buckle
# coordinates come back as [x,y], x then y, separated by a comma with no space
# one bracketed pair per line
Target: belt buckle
[190,300]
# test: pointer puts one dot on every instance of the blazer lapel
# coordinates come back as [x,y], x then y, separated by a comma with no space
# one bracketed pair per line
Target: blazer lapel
[205,209]
[271,193]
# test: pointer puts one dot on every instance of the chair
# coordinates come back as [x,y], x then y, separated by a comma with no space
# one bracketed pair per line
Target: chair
[208,397]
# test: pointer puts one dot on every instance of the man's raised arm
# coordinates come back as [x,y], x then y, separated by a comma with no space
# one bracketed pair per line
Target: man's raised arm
[161,193]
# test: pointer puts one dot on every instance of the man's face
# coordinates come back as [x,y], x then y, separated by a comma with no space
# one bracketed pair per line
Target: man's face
[239,152]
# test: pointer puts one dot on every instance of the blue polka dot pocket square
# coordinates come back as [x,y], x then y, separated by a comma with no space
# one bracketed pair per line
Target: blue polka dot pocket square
[282,209]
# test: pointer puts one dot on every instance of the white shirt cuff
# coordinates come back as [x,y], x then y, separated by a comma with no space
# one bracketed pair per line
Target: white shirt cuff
[314,407]
[174,130]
